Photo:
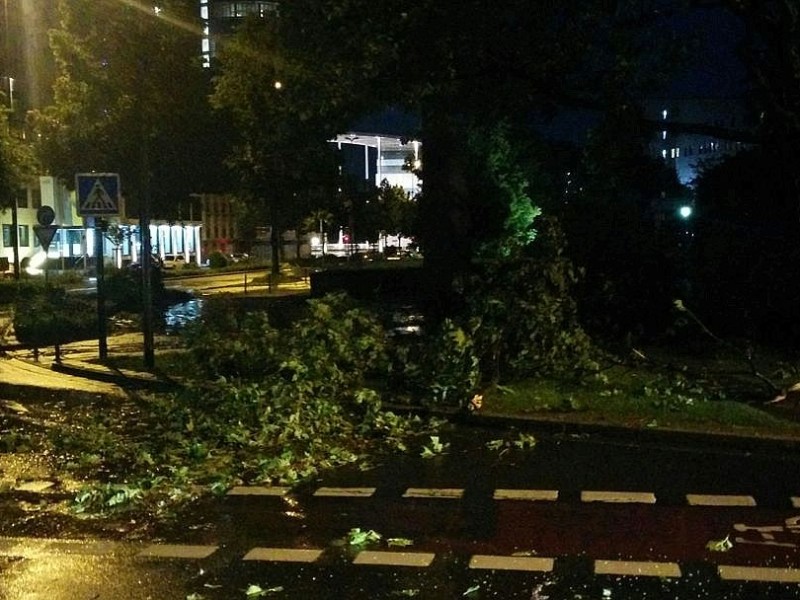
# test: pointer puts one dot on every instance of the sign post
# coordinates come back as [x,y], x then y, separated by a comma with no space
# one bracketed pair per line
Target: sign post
[98,197]
[45,231]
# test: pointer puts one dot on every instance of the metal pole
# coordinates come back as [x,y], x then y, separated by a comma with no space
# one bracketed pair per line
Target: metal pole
[15,236]
[99,228]
[146,258]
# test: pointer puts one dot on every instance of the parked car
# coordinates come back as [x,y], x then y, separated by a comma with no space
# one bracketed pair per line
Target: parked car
[174,261]
[238,257]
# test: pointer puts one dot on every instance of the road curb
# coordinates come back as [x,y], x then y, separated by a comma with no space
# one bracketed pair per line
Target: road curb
[717,440]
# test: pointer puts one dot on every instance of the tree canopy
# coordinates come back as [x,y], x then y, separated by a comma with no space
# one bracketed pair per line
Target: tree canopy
[130,78]
[472,71]
[17,163]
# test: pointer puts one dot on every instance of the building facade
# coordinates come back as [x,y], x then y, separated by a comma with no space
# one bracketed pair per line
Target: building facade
[73,245]
[689,152]
[220,18]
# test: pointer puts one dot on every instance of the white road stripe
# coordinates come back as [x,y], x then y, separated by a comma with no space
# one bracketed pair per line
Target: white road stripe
[177,551]
[34,486]
[354,492]
[433,493]
[636,568]
[304,555]
[737,573]
[619,497]
[394,559]
[511,563]
[719,500]
[508,494]
[258,490]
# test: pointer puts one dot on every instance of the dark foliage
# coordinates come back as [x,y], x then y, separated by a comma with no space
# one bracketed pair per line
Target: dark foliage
[747,250]
[48,316]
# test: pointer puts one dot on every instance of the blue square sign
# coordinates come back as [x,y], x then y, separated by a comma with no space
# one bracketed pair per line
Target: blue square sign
[98,194]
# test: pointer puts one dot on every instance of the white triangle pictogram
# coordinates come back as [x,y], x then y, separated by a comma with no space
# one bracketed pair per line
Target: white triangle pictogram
[98,199]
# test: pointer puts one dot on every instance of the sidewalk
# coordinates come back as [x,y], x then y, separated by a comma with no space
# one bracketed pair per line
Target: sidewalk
[78,370]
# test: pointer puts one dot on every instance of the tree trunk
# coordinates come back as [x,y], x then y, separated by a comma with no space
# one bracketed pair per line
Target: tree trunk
[444,214]
[275,241]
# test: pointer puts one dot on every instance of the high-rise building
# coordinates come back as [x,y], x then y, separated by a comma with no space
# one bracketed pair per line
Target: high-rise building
[706,134]
[221,17]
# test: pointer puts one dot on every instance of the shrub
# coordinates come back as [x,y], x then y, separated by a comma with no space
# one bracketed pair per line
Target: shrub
[11,289]
[217,260]
[49,317]
[123,288]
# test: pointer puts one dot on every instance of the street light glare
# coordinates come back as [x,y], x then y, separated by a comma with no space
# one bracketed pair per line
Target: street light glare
[158,11]
[685,211]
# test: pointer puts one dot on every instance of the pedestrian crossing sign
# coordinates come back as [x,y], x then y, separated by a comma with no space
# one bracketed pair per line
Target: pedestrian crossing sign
[98,194]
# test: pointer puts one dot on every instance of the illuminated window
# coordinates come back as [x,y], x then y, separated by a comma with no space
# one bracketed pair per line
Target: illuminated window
[664,134]
[663,154]
[664,114]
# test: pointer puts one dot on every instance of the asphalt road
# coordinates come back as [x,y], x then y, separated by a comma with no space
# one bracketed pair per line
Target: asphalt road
[577,516]
[574,517]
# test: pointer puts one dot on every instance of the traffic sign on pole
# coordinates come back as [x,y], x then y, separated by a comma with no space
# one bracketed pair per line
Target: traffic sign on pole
[98,194]
[45,234]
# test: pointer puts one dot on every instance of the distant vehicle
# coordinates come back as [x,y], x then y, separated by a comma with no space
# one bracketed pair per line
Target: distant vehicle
[174,261]
[238,257]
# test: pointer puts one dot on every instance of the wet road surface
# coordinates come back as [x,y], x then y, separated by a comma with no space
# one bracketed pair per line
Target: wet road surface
[571,518]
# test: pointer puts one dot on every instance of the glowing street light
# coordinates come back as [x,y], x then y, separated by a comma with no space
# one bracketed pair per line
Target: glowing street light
[685,211]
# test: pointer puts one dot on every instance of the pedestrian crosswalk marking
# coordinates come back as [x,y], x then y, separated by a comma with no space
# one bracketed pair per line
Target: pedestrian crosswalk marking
[771,574]
[450,493]
[619,497]
[511,563]
[353,492]
[302,555]
[719,500]
[547,495]
[394,559]
[36,549]
[637,568]
[600,496]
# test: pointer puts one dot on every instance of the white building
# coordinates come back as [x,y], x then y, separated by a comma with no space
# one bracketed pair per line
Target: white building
[386,158]
[73,245]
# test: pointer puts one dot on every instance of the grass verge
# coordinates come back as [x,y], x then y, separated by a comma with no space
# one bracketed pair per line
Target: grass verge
[643,399]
